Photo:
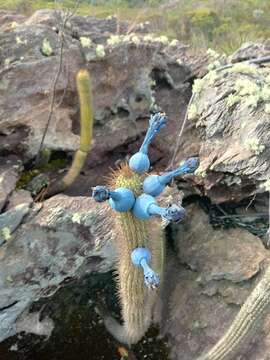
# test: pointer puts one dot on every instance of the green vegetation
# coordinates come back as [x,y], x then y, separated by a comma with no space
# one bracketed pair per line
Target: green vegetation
[209,23]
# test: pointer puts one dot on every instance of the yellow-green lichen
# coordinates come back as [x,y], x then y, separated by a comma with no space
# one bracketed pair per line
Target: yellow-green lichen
[46,48]
[76,218]
[114,40]
[214,65]
[246,87]
[14,24]
[212,54]
[244,68]
[233,99]
[86,42]
[252,101]
[5,233]
[135,40]
[162,39]
[193,112]
[174,43]
[265,93]
[20,41]
[100,51]
[197,86]
[267,108]
[211,77]
[200,173]
[7,62]
[254,146]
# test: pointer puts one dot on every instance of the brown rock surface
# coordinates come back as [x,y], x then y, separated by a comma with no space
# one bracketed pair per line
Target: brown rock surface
[210,278]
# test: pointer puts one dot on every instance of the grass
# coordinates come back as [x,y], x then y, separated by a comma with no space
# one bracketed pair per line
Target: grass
[203,24]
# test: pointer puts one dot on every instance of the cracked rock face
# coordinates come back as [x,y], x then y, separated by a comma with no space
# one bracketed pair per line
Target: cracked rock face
[207,282]
[65,238]
[128,79]
[231,111]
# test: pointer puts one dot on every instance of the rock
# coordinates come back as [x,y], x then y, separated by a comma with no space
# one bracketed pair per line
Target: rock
[10,169]
[19,197]
[30,323]
[10,220]
[250,50]
[133,77]
[212,275]
[59,240]
[230,112]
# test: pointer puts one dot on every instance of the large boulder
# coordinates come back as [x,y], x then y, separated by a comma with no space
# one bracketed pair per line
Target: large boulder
[230,111]
[62,239]
[205,285]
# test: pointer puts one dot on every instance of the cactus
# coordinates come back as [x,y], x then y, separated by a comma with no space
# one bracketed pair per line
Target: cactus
[84,89]
[140,243]
[249,318]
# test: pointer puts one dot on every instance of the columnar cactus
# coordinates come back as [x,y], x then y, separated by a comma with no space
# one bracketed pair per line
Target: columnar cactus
[140,244]
[84,88]
[249,318]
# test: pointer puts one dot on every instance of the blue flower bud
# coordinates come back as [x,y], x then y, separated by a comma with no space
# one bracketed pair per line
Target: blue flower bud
[146,206]
[155,184]
[121,199]
[140,162]
[142,257]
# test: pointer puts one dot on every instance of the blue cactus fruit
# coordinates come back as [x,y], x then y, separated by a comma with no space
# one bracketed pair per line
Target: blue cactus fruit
[121,199]
[155,184]
[142,257]
[140,162]
[145,206]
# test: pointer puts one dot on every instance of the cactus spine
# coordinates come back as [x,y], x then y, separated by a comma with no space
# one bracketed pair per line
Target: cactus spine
[135,298]
[250,316]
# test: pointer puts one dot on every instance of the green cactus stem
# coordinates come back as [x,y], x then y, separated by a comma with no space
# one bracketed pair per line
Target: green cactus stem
[84,89]
[249,318]
[135,297]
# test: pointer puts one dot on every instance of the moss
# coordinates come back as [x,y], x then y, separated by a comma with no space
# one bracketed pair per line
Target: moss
[43,166]
[26,177]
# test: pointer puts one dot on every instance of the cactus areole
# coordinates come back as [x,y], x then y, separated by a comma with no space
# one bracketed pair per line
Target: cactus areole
[131,195]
